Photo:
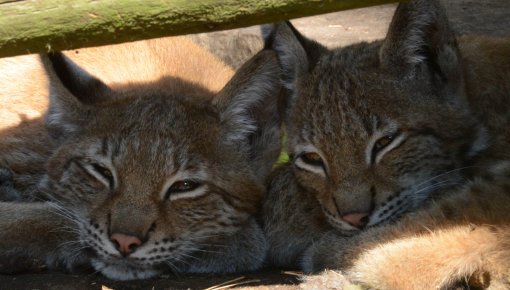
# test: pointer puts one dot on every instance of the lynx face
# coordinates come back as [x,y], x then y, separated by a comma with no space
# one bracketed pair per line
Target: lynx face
[376,129]
[157,180]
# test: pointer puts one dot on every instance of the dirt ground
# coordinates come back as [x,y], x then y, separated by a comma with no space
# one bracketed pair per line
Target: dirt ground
[487,17]
[234,47]
[267,279]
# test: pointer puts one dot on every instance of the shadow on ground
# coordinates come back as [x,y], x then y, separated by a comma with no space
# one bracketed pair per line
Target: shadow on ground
[266,279]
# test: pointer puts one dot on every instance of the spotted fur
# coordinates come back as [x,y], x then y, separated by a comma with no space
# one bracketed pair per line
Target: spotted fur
[382,129]
[122,143]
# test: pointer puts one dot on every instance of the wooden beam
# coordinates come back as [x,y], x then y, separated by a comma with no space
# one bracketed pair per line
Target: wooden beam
[31,26]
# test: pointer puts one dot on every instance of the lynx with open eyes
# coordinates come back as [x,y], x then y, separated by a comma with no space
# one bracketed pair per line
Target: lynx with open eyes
[156,165]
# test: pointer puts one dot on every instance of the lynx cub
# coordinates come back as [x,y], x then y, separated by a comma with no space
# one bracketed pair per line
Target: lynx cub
[157,169]
[388,129]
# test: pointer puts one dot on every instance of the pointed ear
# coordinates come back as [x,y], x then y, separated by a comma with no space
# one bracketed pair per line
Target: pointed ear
[84,86]
[73,92]
[420,40]
[297,55]
[250,108]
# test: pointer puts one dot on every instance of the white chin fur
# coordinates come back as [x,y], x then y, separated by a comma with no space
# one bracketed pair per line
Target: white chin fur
[123,272]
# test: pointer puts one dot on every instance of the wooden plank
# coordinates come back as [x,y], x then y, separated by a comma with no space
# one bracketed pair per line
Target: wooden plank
[31,26]
[9,1]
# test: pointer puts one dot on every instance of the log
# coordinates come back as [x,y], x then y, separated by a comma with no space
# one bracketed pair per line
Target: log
[32,26]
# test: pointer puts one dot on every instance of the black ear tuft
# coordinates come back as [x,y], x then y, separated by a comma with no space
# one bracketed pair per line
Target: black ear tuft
[73,92]
[297,54]
[85,87]
[420,36]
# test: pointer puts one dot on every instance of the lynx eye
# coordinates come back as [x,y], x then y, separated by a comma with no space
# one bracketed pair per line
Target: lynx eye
[312,162]
[182,187]
[98,171]
[385,144]
[105,172]
[312,158]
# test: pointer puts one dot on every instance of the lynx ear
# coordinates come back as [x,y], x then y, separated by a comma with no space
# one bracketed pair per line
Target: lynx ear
[420,40]
[73,91]
[297,55]
[249,107]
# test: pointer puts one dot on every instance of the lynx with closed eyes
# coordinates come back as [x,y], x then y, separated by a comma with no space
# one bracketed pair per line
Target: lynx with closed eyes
[399,173]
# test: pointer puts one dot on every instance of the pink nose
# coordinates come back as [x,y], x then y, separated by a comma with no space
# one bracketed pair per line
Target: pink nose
[357,219]
[124,243]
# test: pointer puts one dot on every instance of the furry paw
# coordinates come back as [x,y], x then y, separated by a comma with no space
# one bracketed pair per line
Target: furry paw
[327,280]
[6,176]
[318,258]
[7,190]
[326,253]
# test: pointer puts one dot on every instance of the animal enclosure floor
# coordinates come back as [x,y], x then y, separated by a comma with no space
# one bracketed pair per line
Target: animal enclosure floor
[266,279]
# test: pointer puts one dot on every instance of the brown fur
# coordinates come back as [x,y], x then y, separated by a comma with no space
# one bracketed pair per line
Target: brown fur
[25,102]
[125,125]
[461,239]
[388,129]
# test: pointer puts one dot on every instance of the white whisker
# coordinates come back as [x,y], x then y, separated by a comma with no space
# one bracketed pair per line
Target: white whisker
[444,174]
[443,183]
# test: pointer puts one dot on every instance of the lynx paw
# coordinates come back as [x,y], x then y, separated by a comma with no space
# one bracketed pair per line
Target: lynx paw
[317,258]
[326,253]
[7,190]
[327,280]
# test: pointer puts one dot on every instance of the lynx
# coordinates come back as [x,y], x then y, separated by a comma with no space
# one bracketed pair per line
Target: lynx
[383,139]
[157,168]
